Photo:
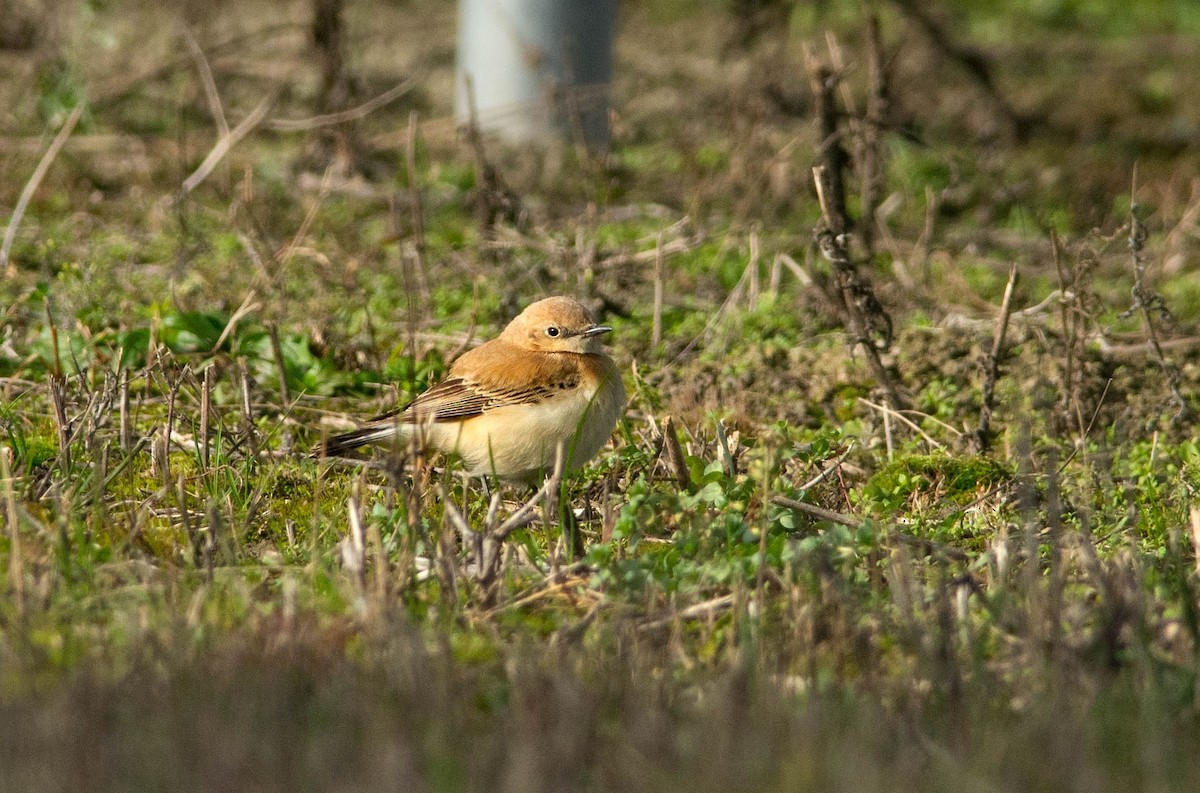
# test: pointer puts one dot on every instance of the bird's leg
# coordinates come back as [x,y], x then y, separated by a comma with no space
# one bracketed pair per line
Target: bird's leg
[558,513]
[552,517]
[572,536]
[486,481]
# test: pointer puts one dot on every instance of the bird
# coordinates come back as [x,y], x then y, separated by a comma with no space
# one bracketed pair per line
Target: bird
[506,406]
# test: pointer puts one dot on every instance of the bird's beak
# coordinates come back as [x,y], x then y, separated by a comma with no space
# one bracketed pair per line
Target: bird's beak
[596,330]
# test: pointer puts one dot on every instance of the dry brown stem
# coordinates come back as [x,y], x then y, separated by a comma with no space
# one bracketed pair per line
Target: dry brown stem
[683,477]
[863,314]
[207,82]
[851,521]
[223,145]
[1151,304]
[31,186]
[277,353]
[494,201]
[972,62]
[983,435]
[16,568]
[416,206]
[342,116]
[871,159]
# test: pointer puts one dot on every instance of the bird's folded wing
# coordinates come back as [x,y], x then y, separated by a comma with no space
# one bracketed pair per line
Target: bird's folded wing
[459,398]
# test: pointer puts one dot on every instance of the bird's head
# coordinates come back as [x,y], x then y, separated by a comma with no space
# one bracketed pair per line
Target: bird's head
[556,324]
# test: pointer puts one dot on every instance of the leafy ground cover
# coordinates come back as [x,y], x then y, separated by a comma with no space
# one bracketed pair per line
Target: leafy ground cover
[774,579]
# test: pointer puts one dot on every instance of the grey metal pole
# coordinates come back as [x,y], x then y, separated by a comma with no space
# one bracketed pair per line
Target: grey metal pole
[536,70]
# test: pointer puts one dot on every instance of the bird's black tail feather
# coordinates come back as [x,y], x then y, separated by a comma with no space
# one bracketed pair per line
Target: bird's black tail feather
[338,445]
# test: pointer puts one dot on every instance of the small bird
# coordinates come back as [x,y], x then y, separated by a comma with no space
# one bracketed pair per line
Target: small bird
[506,405]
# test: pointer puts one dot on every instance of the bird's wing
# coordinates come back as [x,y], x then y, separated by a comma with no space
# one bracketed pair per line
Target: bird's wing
[491,376]
[461,398]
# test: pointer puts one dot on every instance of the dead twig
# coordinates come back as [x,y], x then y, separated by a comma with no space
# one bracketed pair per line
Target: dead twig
[862,311]
[489,549]
[206,82]
[286,252]
[972,62]
[1088,429]
[865,318]
[125,436]
[818,512]
[342,116]
[889,412]
[248,426]
[828,470]
[695,611]
[851,521]
[753,286]
[678,245]
[31,186]
[16,568]
[416,206]
[983,435]
[205,413]
[285,394]
[683,477]
[872,157]
[353,547]
[116,88]
[494,202]
[248,306]
[1150,304]
[830,152]
[656,324]
[1130,353]
[58,398]
[1074,315]
[524,515]
[1194,523]
[223,146]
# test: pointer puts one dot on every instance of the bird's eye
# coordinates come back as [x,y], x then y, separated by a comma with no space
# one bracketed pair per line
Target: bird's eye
[552,332]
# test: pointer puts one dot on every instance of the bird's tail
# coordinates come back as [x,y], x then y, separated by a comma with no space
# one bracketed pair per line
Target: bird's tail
[375,432]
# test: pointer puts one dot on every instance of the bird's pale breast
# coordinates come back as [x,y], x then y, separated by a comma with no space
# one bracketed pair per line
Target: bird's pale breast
[520,441]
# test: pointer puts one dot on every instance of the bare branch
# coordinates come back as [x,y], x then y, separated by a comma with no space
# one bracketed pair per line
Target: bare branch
[983,435]
[1149,303]
[223,146]
[342,116]
[207,82]
[31,186]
